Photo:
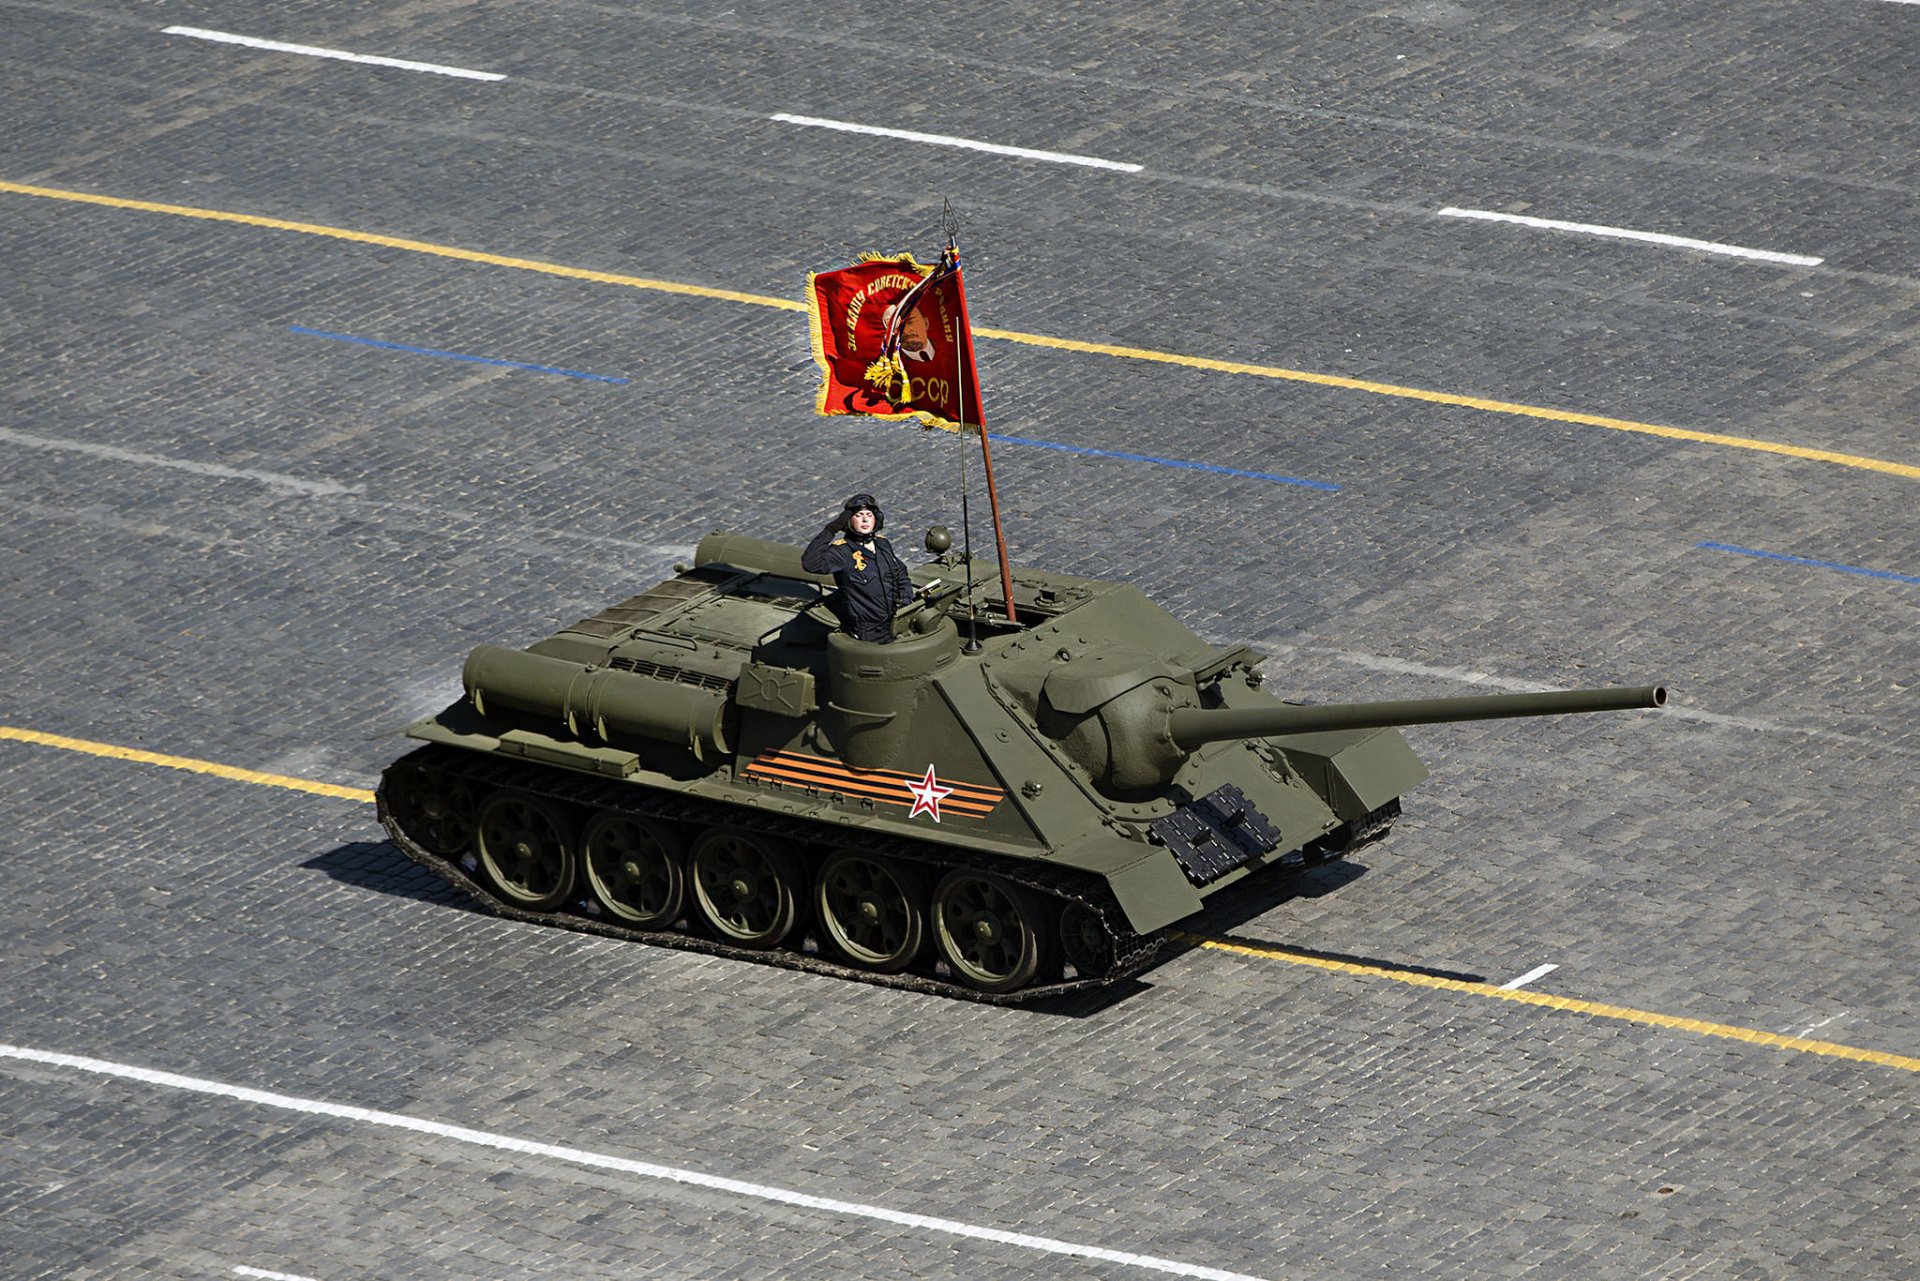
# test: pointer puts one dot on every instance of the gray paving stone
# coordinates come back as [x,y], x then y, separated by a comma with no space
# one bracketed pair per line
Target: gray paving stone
[1752,870]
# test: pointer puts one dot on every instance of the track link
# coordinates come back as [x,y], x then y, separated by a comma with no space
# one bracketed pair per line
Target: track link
[1132,952]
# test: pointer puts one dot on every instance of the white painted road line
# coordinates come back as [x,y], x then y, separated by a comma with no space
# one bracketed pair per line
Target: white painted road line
[1537,972]
[942,140]
[1832,1018]
[265,1275]
[599,1161]
[278,46]
[1622,233]
[314,488]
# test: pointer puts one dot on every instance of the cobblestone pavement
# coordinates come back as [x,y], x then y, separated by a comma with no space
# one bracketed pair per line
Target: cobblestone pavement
[227,538]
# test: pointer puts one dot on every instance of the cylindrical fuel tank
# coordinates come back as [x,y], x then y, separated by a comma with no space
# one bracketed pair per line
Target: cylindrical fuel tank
[755,553]
[597,702]
[872,690]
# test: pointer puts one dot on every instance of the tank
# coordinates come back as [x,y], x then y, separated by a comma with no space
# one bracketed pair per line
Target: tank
[988,809]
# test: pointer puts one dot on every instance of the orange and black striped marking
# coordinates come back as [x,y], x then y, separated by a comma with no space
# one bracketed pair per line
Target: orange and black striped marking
[889,787]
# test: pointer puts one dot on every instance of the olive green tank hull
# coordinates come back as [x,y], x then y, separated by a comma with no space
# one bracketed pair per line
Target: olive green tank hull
[712,765]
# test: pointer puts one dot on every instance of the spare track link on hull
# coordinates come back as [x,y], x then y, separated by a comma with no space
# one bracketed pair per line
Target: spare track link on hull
[1132,952]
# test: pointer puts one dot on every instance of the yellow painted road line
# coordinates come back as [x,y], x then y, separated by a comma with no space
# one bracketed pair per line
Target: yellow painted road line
[1593,1009]
[396,242]
[232,772]
[1906,470]
[1257,951]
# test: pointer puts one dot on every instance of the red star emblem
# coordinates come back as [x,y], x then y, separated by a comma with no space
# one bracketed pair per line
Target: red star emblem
[926,795]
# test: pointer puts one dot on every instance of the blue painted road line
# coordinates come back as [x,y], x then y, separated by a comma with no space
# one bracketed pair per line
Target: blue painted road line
[1215,469]
[1802,560]
[1165,462]
[455,355]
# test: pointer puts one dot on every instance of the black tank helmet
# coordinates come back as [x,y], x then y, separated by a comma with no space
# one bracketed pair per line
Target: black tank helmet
[860,502]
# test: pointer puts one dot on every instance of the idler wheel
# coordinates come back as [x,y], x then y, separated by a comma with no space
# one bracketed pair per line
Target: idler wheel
[526,849]
[872,910]
[433,807]
[1084,941]
[747,887]
[636,869]
[989,931]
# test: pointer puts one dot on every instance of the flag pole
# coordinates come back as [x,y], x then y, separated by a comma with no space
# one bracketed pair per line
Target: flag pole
[986,452]
[966,555]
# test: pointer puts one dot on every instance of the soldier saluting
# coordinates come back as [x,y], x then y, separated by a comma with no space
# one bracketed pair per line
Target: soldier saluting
[872,581]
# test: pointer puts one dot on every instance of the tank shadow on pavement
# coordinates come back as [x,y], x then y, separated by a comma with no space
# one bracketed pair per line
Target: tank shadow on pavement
[1269,891]
[1235,907]
[377,865]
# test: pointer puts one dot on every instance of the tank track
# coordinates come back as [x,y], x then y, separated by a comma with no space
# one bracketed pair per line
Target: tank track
[1132,952]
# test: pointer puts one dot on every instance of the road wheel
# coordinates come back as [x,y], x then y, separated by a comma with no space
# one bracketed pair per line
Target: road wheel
[1084,941]
[872,910]
[989,931]
[527,851]
[636,869]
[747,887]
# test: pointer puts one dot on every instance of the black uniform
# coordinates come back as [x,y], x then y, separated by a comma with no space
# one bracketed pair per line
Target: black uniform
[873,583]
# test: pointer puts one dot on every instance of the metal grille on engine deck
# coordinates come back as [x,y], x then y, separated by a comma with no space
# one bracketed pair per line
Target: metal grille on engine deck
[616,620]
[675,675]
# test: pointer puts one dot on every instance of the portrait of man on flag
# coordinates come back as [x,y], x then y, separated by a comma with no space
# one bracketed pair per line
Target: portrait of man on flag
[890,337]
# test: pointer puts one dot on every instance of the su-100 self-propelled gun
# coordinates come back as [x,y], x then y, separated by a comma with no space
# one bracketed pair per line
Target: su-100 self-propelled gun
[713,765]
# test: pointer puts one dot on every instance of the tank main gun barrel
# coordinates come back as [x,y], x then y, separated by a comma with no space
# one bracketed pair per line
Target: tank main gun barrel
[1192,727]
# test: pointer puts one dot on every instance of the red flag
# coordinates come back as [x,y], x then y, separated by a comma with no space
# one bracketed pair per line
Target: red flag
[890,337]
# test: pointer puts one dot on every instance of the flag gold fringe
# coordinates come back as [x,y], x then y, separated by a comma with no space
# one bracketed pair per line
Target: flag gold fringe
[887,370]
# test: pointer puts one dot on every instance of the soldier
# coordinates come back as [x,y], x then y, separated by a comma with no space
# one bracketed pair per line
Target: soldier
[872,581]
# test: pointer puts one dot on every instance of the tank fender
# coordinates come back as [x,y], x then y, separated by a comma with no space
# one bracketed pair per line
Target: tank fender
[1153,890]
[1380,767]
